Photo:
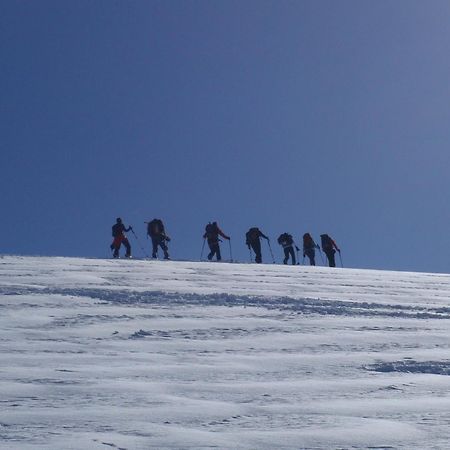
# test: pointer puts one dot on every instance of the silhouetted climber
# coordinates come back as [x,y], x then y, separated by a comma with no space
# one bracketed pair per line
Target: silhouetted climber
[286,241]
[118,232]
[212,232]
[328,247]
[252,240]
[309,248]
[155,229]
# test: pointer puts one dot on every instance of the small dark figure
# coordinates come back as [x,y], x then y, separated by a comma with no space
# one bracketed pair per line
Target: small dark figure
[309,248]
[252,240]
[328,247]
[155,229]
[286,241]
[118,232]
[212,232]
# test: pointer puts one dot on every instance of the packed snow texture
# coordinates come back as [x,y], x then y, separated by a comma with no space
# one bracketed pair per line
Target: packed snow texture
[118,354]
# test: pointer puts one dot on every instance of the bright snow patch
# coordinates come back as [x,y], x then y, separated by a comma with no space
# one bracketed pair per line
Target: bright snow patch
[113,354]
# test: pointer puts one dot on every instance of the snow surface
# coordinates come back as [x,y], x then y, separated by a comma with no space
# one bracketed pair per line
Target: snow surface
[118,354]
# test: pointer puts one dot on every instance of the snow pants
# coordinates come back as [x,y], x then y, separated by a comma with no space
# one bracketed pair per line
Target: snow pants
[256,247]
[330,256]
[161,242]
[289,251]
[311,254]
[118,241]
[214,248]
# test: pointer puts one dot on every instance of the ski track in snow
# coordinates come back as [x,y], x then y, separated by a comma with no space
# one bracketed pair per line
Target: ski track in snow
[112,354]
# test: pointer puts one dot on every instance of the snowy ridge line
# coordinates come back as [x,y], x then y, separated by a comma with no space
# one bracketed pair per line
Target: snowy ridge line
[297,305]
[111,262]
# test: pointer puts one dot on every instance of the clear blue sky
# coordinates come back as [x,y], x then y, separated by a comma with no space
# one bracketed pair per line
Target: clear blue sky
[321,116]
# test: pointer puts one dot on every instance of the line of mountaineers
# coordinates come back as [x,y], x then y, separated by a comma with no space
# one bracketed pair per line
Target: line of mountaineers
[159,238]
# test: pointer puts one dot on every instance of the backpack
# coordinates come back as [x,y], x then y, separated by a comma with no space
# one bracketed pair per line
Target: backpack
[155,227]
[252,234]
[285,240]
[308,241]
[326,241]
[211,231]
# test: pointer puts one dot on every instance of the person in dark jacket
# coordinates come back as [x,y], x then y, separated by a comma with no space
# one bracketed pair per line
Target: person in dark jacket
[329,247]
[157,233]
[212,233]
[287,242]
[118,232]
[309,248]
[253,241]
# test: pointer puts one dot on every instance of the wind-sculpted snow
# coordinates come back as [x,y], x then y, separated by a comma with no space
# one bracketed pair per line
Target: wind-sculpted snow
[298,305]
[411,366]
[100,354]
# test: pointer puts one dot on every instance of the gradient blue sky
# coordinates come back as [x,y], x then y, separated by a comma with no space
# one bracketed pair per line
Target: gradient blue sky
[321,116]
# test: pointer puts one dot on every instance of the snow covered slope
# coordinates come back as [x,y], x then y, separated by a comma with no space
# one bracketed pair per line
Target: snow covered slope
[113,354]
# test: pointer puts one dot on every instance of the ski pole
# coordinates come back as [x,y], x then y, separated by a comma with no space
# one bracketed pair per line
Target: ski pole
[271,252]
[321,256]
[340,257]
[203,247]
[139,243]
[231,253]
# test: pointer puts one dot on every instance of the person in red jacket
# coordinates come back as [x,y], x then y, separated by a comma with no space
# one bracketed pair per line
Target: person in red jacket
[212,233]
[118,232]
